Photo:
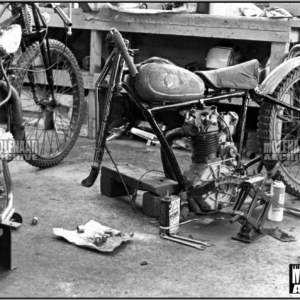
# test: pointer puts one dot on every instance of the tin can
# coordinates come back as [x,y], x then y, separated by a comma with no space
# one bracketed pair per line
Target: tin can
[80,228]
[275,213]
[34,221]
[169,214]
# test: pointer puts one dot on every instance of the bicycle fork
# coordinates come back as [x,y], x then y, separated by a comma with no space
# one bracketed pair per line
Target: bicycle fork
[116,64]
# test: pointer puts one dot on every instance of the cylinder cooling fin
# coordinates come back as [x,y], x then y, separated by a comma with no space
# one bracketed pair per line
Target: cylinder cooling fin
[205,146]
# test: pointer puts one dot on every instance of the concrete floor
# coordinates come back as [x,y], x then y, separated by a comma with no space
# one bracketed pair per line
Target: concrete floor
[48,266]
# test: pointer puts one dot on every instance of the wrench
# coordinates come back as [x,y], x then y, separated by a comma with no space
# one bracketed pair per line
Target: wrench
[164,236]
[190,240]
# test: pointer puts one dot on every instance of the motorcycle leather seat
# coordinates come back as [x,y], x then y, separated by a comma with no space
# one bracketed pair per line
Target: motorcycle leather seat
[242,76]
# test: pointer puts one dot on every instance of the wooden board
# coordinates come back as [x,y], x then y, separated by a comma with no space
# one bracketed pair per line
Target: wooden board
[153,182]
[228,27]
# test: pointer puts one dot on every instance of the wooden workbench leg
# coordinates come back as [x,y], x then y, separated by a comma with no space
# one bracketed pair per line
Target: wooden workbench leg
[278,51]
[95,64]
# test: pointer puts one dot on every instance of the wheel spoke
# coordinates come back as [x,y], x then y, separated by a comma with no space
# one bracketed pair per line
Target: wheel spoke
[55,128]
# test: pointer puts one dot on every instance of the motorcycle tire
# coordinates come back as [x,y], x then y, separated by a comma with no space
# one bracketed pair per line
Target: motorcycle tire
[278,123]
[55,128]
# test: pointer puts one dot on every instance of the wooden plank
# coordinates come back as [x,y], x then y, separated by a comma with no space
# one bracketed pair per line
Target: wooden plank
[96,51]
[152,182]
[247,28]
[95,63]
[111,188]
[261,29]
[278,51]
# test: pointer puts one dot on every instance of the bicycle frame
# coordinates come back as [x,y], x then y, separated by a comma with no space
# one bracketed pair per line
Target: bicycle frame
[40,35]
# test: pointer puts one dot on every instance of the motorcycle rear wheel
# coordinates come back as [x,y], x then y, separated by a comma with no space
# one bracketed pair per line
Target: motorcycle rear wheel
[276,125]
[55,128]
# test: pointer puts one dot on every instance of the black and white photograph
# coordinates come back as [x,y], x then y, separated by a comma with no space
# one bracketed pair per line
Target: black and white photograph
[149,150]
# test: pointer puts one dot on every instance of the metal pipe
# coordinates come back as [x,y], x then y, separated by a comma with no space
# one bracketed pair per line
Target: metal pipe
[17,114]
[150,118]
[70,17]
[283,104]
[198,101]
[242,126]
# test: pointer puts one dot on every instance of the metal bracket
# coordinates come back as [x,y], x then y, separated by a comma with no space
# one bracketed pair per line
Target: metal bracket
[5,246]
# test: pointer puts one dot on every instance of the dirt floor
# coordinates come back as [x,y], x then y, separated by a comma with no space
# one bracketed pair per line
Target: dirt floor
[48,266]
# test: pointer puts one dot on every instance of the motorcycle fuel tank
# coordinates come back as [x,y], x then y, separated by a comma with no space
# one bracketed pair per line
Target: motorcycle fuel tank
[164,82]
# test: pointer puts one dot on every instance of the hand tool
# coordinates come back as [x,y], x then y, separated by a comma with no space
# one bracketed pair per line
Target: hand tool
[164,236]
[190,240]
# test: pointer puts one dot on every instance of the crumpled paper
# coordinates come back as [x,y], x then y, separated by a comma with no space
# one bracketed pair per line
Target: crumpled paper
[274,12]
[112,238]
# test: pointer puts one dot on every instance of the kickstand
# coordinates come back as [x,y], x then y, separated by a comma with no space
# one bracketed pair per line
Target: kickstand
[251,227]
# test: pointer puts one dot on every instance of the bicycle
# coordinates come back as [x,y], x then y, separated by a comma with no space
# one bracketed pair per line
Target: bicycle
[48,80]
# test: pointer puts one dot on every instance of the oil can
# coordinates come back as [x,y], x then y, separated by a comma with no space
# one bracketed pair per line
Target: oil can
[169,214]
[276,209]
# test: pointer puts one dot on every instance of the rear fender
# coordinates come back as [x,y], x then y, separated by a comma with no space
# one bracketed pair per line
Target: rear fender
[269,85]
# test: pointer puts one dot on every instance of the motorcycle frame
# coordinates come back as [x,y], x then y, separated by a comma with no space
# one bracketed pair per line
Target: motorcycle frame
[39,35]
[116,62]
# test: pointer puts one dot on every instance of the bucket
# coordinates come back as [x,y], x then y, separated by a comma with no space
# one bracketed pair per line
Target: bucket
[275,213]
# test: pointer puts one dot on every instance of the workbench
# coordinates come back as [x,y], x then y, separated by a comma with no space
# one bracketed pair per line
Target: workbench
[278,33]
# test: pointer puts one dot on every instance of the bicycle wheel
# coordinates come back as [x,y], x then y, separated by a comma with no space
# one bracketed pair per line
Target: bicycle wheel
[55,128]
[279,131]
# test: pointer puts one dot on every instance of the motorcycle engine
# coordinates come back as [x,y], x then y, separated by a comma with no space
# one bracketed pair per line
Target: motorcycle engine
[214,154]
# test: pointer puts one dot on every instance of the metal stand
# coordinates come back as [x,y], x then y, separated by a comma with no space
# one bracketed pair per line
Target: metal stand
[5,247]
[6,220]
[251,226]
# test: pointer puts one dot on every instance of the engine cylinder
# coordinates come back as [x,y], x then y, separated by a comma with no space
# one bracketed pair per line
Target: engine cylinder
[205,146]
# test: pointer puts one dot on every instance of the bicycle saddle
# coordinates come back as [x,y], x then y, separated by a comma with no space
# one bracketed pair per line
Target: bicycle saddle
[242,76]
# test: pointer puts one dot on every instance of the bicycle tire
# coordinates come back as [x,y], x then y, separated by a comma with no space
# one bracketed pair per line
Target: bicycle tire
[64,122]
[271,127]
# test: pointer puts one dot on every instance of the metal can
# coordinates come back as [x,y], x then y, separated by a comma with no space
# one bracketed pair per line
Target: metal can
[278,195]
[169,214]
[80,228]
[34,221]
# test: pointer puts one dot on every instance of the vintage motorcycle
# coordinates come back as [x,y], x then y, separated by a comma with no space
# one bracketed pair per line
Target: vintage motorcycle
[156,85]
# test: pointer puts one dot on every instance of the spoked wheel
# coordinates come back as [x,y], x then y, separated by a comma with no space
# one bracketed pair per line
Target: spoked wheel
[279,132]
[52,119]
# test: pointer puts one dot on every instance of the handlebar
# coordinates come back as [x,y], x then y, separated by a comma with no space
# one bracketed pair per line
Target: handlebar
[120,44]
[62,15]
